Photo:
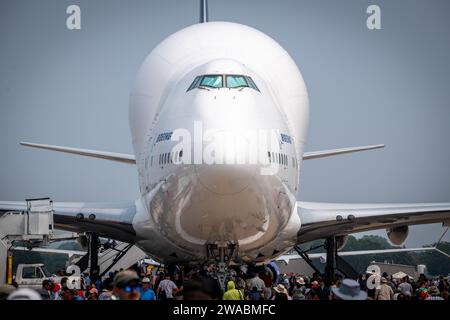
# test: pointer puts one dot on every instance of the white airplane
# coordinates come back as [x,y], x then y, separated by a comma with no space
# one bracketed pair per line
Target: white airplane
[213,80]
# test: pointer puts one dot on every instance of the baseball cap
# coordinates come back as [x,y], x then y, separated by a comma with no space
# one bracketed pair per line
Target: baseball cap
[123,277]
[145,280]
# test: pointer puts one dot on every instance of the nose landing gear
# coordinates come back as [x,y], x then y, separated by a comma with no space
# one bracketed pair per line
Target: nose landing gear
[220,255]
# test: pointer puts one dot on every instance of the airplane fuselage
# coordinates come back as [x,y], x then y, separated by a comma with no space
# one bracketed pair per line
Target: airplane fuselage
[218,117]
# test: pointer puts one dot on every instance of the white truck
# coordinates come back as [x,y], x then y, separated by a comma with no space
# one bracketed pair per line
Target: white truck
[32,276]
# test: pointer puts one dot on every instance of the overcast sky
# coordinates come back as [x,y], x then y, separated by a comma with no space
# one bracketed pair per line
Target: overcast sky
[387,86]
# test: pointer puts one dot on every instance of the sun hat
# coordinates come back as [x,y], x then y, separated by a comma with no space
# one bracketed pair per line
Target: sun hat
[280,289]
[24,294]
[349,290]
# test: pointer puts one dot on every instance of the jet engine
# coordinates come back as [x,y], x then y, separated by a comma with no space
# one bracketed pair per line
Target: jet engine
[397,235]
[341,241]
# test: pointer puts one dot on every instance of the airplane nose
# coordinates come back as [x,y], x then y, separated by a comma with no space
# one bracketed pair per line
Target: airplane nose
[225,179]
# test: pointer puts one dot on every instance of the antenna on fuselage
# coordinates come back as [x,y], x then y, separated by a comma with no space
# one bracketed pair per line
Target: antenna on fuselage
[204,11]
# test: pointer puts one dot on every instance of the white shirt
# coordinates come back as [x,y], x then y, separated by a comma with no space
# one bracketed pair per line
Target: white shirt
[168,286]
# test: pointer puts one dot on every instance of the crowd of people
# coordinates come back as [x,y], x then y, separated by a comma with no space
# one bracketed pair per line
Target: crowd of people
[256,284]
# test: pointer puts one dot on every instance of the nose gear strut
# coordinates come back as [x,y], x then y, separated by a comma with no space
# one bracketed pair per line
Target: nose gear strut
[220,255]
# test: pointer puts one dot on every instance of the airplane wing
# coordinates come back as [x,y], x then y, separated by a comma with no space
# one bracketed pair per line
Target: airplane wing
[109,220]
[321,220]
[49,250]
[335,152]
[113,156]
[287,257]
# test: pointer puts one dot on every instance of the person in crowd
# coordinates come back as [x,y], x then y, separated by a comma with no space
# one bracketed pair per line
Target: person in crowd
[256,281]
[200,287]
[255,295]
[127,286]
[64,282]
[298,291]
[166,288]
[87,279]
[267,278]
[46,290]
[107,291]
[55,289]
[159,278]
[405,287]
[362,281]
[232,293]
[147,291]
[179,282]
[92,294]
[281,293]
[384,292]
[422,290]
[434,293]
[241,284]
[67,294]
[325,290]
[349,290]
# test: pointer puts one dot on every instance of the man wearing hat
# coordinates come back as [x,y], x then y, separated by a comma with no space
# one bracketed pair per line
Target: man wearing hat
[349,290]
[127,286]
[281,293]
[298,292]
[384,292]
[147,291]
[434,293]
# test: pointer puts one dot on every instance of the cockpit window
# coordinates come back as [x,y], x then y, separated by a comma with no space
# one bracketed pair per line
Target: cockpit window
[236,81]
[217,81]
[195,83]
[212,81]
[252,83]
